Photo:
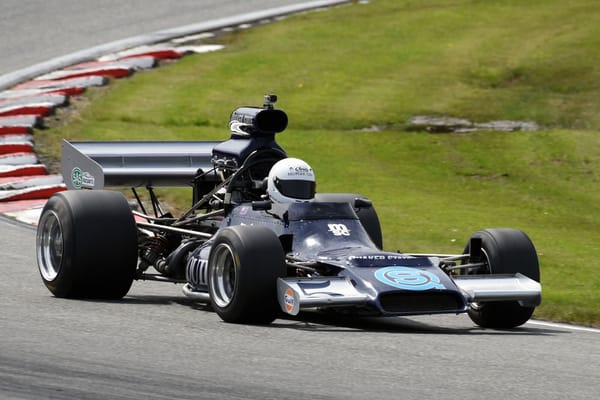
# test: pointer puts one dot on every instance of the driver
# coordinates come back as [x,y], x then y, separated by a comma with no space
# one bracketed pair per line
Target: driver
[291,180]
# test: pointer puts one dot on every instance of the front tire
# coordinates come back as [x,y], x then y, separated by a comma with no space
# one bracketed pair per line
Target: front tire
[243,267]
[507,251]
[86,245]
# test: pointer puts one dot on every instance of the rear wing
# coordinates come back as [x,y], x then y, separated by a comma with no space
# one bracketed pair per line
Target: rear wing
[96,165]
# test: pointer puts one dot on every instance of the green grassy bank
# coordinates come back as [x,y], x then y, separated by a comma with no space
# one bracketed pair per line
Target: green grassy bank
[342,71]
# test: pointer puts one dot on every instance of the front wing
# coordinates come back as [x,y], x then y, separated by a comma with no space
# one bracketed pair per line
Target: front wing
[296,294]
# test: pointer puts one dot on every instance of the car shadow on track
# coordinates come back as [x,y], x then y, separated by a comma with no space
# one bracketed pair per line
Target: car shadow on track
[149,300]
[332,322]
[340,323]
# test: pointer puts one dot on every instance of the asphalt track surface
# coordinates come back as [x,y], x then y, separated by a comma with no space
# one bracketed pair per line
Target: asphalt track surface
[156,344]
[35,31]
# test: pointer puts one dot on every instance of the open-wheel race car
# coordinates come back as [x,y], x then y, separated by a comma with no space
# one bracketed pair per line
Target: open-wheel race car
[258,240]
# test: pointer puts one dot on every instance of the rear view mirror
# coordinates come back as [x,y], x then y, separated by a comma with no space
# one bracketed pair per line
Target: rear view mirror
[362,203]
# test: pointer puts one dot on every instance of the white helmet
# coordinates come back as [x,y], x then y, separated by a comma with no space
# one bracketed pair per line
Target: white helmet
[291,181]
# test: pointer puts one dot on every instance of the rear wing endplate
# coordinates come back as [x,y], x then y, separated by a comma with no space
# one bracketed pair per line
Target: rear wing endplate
[96,165]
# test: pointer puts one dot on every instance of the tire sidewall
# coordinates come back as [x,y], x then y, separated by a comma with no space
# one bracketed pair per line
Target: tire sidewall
[259,261]
[62,284]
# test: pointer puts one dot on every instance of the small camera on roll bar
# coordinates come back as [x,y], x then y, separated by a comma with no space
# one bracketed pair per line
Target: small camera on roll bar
[270,100]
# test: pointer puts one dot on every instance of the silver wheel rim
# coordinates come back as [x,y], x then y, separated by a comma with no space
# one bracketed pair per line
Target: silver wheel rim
[223,275]
[50,246]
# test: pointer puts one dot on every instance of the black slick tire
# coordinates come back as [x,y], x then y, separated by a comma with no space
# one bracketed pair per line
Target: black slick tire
[243,267]
[86,245]
[508,251]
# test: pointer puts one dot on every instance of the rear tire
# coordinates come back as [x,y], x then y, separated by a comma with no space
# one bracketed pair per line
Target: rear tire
[368,216]
[508,251]
[86,245]
[243,267]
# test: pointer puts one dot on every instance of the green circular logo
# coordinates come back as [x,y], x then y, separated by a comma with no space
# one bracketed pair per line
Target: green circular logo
[76,177]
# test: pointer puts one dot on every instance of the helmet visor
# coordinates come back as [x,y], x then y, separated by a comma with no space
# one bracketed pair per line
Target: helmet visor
[296,189]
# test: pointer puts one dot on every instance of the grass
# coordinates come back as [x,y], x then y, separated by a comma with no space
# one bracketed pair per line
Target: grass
[342,70]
